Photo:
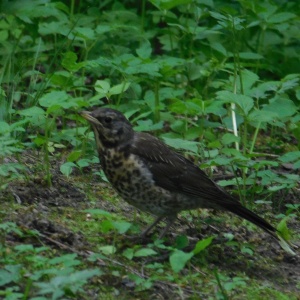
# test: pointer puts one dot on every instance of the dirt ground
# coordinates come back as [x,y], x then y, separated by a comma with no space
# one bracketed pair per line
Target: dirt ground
[37,202]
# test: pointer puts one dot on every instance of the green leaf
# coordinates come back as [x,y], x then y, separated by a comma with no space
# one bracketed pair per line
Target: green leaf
[102,86]
[9,274]
[183,144]
[151,69]
[3,35]
[98,212]
[229,138]
[145,50]
[33,111]
[69,62]
[121,226]
[67,168]
[128,253]
[119,88]
[178,260]
[53,98]
[145,252]
[290,156]
[108,250]
[147,125]
[283,229]
[24,248]
[259,116]
[181,241]
[74,155]
[246,249]
[187,107]
[169,4]
[81,163]
[4,127]
[246,103]
[84,32]
[203,244]
[219,47]
[67,260]
[250,55]
[281,106]
[281,17]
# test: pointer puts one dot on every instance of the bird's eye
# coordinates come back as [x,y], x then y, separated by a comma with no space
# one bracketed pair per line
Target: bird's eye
[107,119]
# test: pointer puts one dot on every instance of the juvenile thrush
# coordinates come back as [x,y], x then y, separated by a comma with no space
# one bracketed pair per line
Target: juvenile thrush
[149,175]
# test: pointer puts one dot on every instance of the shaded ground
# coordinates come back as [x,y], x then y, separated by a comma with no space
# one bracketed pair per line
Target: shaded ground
[39,208]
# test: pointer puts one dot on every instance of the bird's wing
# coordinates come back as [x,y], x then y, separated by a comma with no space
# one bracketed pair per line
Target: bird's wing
[176,173]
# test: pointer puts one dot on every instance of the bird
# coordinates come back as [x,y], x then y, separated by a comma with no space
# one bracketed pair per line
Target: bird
[154,178]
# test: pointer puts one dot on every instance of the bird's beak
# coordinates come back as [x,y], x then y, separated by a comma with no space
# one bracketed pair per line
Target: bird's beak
[88,116]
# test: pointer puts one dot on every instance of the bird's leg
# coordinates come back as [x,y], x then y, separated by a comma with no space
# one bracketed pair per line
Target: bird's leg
[150,227]
[170,221]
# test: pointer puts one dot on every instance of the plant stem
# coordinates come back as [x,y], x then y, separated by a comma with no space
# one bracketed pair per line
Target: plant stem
[254,137]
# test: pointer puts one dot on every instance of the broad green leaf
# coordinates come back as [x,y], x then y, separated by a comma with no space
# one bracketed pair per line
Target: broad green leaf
[84,32]
[145,252]
[10,274]
[108,250]
[246,103]
[106,226]
[203,244]
[98,212]
[183,144]
[282,107]
[101,28]
[283,229]
[259,116]
[229,138]
[3,35]
[81,163]
[33,111]
[69,62]
[246,249]
[24,248]
[74,155]
[119,88]
[121,226]
[53,98]
[178,260]
[59,27]
[290,156]
[147,125]
[145,50]
[102,86]
[219,161]
[128,253]
[151,69]
[289,84]
[250,55]
[182,241]
[66,259]
[219,47]
[281,17]
[4,127]
[169,4]
[298,94]
[187,107]
[67,168]
[215,107]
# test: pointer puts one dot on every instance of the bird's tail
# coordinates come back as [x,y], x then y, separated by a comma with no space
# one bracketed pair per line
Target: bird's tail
[250,216]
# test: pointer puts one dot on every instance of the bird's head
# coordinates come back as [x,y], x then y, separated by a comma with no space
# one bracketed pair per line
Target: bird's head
[111,128]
